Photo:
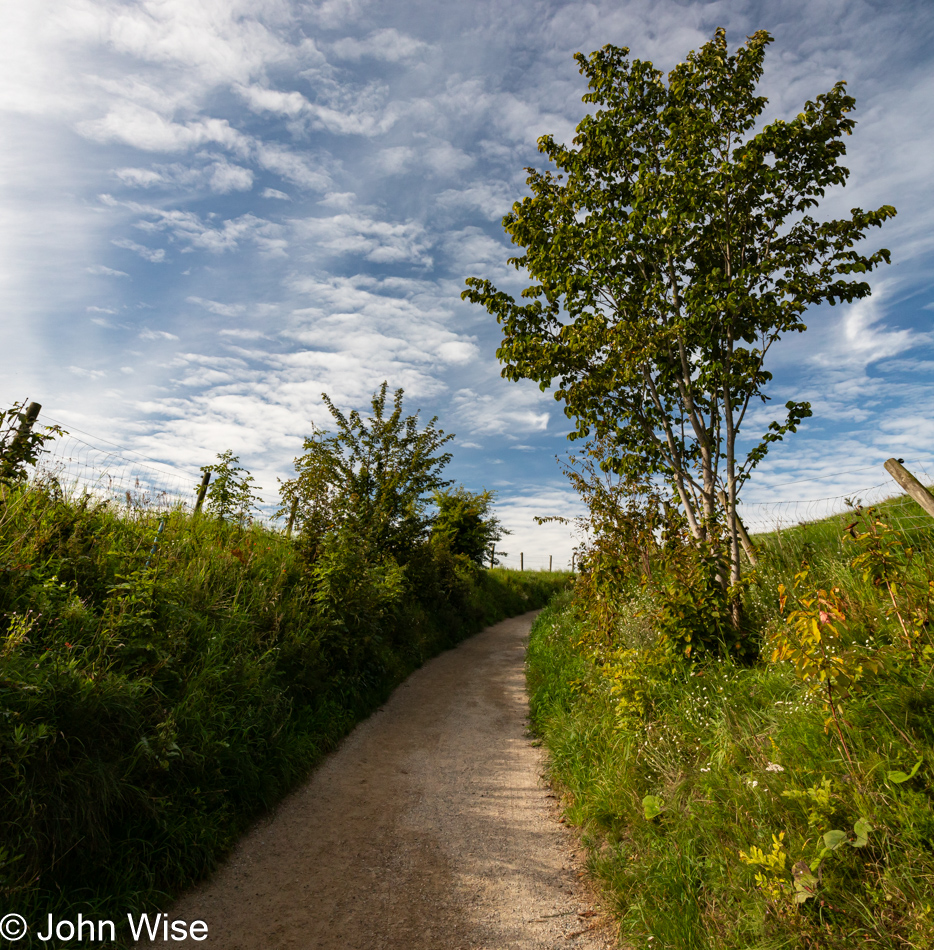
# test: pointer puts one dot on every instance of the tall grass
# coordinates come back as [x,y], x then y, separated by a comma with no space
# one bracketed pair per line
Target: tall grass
[164,679]
[708,790]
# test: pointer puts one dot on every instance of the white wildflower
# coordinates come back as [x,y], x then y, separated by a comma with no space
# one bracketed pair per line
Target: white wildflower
[774,767]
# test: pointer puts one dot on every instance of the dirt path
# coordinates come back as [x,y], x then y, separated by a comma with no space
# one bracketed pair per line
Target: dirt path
[428,829]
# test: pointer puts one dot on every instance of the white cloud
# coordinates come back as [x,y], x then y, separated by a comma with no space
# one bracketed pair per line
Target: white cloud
[263,99]
[292,167]
[458,351]
[225,310]
[518,410]
[149,131]
[274,193]
[861,337]
[101,271]
[370,238]
[491,199]
[154,256]
[218,175]
[87,373]
[188,227]
[387,44]
[147,334]
[226,178]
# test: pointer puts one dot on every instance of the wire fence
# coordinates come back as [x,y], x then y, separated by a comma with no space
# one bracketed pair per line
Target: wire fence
[765,517]
[126,478]
[114,474]
[533,562]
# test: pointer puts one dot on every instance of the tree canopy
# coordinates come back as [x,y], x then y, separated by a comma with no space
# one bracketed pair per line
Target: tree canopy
[374,476]
[465,522]
[669,250]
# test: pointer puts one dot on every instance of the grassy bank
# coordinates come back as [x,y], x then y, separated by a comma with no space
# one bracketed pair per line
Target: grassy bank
[163,680]
[722,807]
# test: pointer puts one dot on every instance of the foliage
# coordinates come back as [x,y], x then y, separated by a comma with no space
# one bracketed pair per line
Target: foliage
[718,787]
[152,704]
[466,524]
[721,794]
[669,252]
[20,446]
[635,537]
[373,477]
[885,560]
[230,493]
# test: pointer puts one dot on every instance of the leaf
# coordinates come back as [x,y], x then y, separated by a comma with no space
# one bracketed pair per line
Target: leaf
[833,839]
[805,882]
[861,829]
[897,777]
[652,807]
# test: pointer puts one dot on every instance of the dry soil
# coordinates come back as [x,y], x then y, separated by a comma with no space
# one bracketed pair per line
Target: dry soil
[430,828]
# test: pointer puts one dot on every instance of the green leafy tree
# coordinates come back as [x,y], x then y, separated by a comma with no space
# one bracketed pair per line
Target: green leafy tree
[466,523]
[669,252]
[373,477]
[230,495]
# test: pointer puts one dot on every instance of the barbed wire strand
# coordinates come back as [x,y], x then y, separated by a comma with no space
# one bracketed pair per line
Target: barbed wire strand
[140,483]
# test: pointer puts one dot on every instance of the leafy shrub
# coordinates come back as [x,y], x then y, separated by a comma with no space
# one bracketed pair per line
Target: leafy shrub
[466,524]
[152,705]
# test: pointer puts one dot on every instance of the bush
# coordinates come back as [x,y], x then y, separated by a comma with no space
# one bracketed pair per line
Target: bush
[152,705]
[778,801]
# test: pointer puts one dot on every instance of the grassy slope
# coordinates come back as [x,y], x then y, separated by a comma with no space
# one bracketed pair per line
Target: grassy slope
[151,705]
[741,758]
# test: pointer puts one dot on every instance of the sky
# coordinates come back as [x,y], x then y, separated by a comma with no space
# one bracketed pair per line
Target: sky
[212,211]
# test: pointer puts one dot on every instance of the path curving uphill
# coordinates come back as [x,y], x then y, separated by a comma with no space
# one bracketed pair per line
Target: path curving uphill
[430,828]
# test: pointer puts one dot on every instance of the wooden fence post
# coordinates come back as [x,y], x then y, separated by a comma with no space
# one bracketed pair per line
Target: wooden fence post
[288,527]
[911,485]
[22,433]
[521,561]
[202,491]
[741,531]
[549,563]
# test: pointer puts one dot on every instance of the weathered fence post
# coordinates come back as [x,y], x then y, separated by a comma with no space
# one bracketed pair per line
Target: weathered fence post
[741,531]
[22,433]
[521,561]
[288,527]
[202,491]
[549,563]
[911,485]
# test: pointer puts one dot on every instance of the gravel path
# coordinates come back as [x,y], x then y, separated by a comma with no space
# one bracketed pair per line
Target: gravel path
[430,828]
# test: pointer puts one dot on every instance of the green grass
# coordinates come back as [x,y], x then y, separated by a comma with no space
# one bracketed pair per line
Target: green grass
[153,704]
[737,754]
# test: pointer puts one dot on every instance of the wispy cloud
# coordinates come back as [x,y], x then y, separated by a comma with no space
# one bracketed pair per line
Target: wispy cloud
[316,179]
[99,270]
[386,44]
[153,255]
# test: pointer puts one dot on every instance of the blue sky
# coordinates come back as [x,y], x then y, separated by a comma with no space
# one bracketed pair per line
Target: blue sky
[211,211]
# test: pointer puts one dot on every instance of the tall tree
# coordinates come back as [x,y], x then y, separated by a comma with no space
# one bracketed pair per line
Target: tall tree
[670,250]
